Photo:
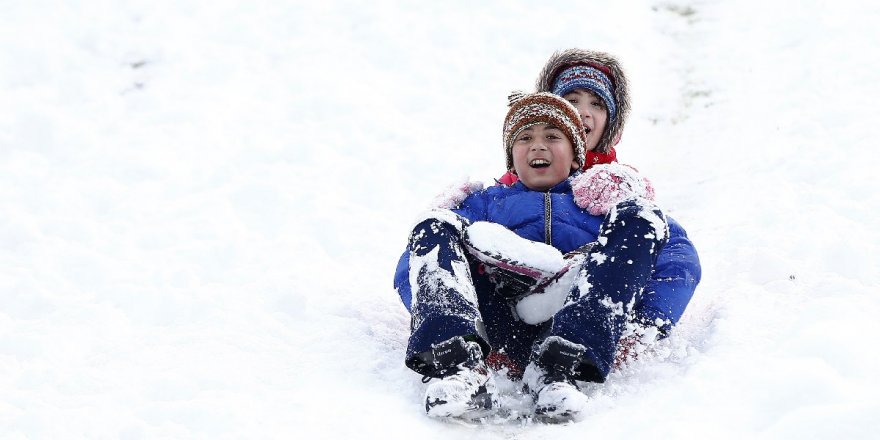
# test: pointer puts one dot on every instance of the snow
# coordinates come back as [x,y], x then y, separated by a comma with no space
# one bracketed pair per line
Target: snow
[541,306]
[426,270]
[202,204]
[526,256]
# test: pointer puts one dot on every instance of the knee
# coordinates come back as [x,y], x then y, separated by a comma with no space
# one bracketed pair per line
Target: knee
[438,221]
[641,215]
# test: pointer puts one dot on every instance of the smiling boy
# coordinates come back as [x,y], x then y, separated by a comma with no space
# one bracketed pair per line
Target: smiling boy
[543,156]
[461,313]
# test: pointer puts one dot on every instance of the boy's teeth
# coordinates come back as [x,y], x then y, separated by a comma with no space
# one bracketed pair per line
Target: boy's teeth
[537,162]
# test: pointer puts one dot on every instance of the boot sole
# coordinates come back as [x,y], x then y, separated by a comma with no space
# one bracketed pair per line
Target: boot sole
[545,415]
[480,406]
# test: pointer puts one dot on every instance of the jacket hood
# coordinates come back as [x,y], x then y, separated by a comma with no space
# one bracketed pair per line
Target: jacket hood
[611,67]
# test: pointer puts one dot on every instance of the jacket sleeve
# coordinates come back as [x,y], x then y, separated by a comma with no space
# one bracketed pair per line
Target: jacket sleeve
[401,280]
[473,208]
[673,282]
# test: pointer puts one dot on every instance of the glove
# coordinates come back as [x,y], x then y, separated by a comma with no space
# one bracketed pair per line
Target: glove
[601,187]
[514,264]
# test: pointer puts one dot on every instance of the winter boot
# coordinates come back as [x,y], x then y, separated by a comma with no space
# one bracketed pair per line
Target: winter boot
[550,378]
[466,388]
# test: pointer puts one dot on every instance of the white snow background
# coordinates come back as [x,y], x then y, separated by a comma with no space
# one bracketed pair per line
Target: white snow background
[202,204]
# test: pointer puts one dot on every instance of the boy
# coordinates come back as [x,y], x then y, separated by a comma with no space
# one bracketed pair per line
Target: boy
[464,293]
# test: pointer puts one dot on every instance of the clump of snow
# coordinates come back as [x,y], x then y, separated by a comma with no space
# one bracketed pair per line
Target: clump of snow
[541,305]
[493,239]
[426,271]
[444,216]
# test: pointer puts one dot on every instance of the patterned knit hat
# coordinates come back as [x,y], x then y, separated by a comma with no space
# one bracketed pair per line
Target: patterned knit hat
[616,87]
[543,108]
[589,78]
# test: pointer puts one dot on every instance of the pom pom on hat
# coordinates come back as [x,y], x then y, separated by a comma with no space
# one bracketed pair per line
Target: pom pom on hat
[527,110]
[514,96]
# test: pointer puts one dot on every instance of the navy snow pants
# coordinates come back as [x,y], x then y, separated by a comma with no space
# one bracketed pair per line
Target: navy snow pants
[450,297]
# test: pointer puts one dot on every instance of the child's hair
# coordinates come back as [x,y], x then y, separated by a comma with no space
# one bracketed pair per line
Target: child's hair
[543,108]
[597,72]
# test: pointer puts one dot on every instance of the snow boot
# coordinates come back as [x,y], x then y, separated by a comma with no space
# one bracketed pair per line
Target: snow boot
[466,388]
[550,378]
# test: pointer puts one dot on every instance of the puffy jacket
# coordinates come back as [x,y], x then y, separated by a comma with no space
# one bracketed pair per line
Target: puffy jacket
[552,217]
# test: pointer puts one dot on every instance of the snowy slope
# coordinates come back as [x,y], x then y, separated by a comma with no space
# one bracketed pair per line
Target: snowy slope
[202,203]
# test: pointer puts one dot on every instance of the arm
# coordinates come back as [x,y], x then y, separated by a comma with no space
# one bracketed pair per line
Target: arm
[401,280]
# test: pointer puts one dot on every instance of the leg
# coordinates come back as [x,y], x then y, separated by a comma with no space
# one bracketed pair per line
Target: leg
[613,276]
[448,338]
[444,303]
[584,334]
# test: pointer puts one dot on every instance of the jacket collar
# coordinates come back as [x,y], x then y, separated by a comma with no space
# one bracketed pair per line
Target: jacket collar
[561,187]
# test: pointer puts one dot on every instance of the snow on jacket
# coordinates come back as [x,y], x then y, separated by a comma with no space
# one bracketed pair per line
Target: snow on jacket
[524,211]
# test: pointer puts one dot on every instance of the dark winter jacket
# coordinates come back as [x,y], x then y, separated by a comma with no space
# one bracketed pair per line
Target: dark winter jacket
[523,211]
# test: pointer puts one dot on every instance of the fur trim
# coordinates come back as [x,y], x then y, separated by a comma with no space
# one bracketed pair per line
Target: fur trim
[602,61]
[454,194]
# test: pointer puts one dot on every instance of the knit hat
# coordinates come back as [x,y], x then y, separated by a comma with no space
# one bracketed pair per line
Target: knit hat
[543,108]
[594,65]
[589,78]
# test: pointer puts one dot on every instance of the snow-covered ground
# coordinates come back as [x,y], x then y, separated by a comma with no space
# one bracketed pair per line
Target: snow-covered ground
[202,203]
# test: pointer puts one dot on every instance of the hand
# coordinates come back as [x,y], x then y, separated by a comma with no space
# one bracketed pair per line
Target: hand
[601,187]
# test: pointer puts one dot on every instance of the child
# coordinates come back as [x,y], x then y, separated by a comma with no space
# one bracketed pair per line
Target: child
[595,83]
[463,293]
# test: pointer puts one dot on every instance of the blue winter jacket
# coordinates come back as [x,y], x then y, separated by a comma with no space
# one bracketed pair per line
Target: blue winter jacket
[524,211]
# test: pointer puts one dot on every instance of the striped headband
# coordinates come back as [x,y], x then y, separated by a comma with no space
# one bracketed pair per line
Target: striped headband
[589,78]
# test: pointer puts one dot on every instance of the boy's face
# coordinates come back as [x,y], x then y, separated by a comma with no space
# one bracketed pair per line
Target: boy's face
[593,112]
[542,157]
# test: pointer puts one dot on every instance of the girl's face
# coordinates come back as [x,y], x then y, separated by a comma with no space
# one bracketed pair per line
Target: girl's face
[593,112]
[542,157]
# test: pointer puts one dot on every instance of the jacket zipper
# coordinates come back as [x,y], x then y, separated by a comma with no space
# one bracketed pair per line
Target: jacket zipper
[548,232]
